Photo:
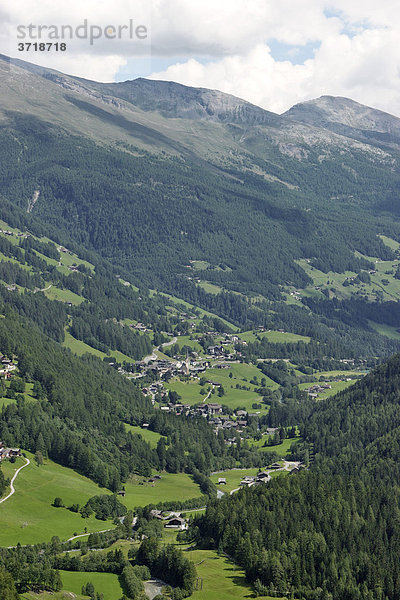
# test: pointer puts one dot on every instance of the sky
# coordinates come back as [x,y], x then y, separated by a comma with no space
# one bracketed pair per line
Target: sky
[273,53]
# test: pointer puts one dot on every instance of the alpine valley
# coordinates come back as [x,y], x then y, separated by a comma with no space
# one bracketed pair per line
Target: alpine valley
[199,344]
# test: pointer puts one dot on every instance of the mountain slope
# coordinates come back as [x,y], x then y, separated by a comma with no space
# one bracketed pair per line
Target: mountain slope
[248,192]
[349,118]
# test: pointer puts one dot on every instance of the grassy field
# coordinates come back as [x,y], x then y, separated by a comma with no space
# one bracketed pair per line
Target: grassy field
[210,288]
[281,449]
[337,386]
[184,340]
[274,337]
[6,402]
[233,478]
[201,311]
[222,579]
[343,374]
[389,242]
[383,281]
[15,261]
[149,436]
[55,293]
[171,486]
[28,517]
[78,347]
[106,583]
[190,390]
[199,265]
[387,330]
[63,595]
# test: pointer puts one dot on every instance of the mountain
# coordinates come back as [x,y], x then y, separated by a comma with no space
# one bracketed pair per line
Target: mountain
[159,178]
[351,119]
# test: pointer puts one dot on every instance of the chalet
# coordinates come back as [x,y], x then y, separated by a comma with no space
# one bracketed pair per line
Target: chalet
[263,477]
[241,413]
[221,481]
[213,409]
[9,452]
[247,482]
[176,523]
[297,469]
[229,424]
[215,350]
[276,466]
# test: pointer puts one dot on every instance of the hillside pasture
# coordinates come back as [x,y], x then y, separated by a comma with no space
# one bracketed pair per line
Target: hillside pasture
[28,516]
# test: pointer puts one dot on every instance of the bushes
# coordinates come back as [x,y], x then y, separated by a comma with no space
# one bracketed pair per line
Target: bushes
[104,507]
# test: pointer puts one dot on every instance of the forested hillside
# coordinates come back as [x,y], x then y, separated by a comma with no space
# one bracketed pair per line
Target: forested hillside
[332,531]
[185,282]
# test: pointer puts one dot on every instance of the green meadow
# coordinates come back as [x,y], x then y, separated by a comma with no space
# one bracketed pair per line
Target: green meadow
[221,578]
[171,487]
[200,311]
[55,293]
[274,337]
[190,390]
[383,281]
[106,583]
[78,347]
[210,288]
[281,449]
[389,331]
[337,386]
[29,517]
[149,436]
[233,478]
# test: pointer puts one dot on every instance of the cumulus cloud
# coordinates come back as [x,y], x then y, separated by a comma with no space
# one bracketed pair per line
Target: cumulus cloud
[230,45]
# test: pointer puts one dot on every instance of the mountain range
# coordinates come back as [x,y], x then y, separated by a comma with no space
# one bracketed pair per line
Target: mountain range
[157,177]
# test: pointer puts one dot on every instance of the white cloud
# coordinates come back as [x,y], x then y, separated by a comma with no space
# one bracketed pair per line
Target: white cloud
[225,45]
[364,66]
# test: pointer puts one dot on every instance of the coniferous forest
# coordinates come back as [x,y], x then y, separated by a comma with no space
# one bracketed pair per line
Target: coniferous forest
[175,310]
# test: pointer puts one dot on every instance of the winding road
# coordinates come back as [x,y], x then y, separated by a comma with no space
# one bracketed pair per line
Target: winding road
[154,356]
[13,479]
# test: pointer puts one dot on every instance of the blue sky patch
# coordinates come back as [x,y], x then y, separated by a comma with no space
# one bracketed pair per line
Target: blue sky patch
[297,55]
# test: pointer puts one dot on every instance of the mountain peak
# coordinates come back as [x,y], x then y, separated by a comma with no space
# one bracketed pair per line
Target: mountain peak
[348,117]
[175,100]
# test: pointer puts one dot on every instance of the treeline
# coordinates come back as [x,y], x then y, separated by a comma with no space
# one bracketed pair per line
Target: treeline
[168,563]
[222,220]
[107,335]
[79,422]
[361,430]
[331,532]
[311,536]
[82,405]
